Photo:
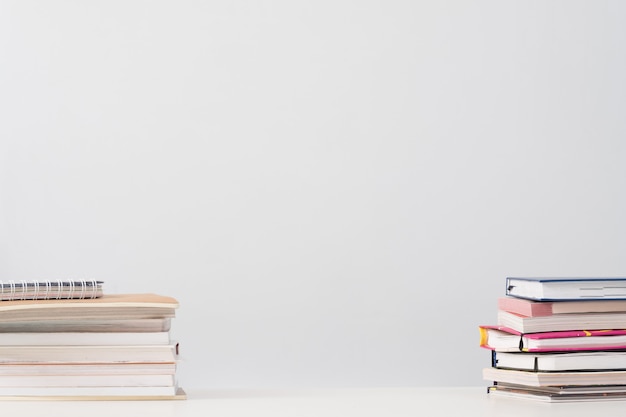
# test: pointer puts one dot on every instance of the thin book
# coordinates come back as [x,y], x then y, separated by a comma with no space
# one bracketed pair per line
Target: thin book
[560,361]
[540,379]
[559,394]
[98,354]
[84,338]
[92,393]
[532,308]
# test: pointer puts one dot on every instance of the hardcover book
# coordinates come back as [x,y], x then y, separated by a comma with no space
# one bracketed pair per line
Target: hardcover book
[560,361]
[504,339]
[532,308]
[561,322]
[559,394]
[554,289]
[540,379]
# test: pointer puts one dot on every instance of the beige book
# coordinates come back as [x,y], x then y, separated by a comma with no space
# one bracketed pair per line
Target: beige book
[118,306]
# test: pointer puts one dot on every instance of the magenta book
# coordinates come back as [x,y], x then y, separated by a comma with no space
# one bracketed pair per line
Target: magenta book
[505,339]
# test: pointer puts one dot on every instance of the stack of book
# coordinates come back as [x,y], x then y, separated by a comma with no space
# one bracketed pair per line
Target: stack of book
[558,339]
[68,340]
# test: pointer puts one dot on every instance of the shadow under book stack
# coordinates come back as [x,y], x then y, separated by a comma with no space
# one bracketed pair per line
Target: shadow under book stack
[559,340]
[68,340]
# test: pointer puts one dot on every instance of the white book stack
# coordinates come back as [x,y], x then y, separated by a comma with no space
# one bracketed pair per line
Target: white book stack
[67,340]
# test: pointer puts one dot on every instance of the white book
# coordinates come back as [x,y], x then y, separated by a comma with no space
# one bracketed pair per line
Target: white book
[540,379]
[85,325]
[84,338]
[87,381]
[561,361]
[164,368]
[567,288]
[91,393]
[88,354]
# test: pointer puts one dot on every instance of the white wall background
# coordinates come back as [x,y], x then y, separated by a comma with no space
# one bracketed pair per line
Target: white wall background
[333,190]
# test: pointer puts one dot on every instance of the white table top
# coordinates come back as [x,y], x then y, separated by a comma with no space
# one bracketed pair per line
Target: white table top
[466,402]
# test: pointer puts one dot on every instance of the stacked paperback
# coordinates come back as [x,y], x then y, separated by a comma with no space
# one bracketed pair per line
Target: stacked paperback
[68,340]
[559,340]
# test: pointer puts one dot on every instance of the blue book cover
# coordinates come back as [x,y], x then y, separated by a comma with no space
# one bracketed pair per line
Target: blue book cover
[566,288]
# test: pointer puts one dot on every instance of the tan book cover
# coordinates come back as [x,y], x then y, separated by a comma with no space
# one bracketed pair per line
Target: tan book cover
[107,300]
[116,306]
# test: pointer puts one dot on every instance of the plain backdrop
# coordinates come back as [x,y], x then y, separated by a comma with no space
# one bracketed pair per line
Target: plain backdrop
[333,190]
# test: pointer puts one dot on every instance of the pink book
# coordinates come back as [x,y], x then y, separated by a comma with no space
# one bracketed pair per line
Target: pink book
[530,308]
[504,339]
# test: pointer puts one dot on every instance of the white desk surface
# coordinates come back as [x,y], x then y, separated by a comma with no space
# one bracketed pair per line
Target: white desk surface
[386,402]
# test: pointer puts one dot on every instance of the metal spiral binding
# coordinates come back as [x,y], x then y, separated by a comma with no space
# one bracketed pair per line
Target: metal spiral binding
[47,290]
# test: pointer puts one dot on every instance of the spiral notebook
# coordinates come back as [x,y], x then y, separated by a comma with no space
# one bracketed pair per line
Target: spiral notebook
[49,289]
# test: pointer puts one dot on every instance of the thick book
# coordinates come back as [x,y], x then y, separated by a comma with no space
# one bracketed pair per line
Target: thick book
[560,289]
[560,361]
[532,308]
[540,379]
[559,394]
[49,289]
[561,322]
[505,339]
[117,306]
